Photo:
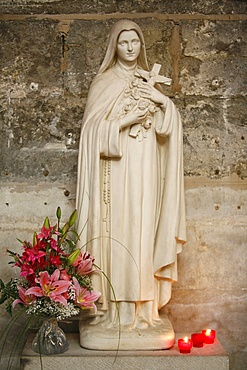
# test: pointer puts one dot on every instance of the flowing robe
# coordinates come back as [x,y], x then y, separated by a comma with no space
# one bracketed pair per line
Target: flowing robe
[130,194]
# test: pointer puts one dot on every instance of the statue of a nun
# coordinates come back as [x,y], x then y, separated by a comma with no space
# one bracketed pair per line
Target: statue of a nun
[130,196]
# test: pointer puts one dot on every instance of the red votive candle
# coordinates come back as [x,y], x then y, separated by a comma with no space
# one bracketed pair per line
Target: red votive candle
[209,336]
[185,345]
[197,339]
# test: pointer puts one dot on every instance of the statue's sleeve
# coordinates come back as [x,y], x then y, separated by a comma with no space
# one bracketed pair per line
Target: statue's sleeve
[110,139]
[102,101]
[166,118]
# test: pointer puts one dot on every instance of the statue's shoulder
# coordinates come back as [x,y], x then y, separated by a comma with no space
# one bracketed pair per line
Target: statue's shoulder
[104,75]
[103,80]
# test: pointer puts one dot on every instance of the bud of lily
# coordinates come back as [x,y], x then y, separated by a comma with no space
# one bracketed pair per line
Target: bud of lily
[46,223]
[73,256]
[35,238]
[65,228]
[64,233]
[59,213]
[72,218]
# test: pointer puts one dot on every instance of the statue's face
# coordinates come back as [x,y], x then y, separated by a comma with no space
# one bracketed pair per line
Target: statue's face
[128,46]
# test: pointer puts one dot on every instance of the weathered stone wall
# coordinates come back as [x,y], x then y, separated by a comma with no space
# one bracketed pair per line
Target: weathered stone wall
[50,51]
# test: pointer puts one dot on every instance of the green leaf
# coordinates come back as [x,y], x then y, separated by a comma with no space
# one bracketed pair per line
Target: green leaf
[71,244]
[8,291]
[76,234]
[1,285]
[9,308]
[13,255]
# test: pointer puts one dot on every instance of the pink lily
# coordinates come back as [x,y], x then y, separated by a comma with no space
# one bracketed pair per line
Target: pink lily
[50,286]
[33,254]
[84,298]
[27,272]
[46,232]
[25,298]
[84,264]
[54,245]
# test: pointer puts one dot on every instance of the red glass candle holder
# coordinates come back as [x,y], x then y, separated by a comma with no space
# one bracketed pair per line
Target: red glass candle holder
[197,339]
[184,345]
[209,336]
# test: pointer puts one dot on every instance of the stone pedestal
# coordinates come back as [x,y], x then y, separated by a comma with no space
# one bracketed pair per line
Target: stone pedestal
[99,337]
[211,356]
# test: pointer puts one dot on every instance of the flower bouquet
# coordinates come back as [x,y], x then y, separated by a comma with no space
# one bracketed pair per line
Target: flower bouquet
[54,280]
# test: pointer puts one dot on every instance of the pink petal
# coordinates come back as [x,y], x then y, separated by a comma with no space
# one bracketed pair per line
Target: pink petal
[44,278]
[60,286]
[60,299]
[92,296]
[16,301]
[55,275]
[77,286]
[37,291]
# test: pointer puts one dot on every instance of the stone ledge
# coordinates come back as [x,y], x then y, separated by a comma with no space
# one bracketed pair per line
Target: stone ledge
[211,356]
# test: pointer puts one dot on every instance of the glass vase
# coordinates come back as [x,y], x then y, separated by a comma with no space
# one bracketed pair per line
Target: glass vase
[50,339]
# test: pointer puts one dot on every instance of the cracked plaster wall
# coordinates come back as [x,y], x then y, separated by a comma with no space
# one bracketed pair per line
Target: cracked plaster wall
[49,53]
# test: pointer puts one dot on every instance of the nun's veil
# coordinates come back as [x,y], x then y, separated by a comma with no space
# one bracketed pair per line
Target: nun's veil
[110,56]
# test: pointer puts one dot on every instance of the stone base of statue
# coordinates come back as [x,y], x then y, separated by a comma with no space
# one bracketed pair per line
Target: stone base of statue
[99,337]
[204,358]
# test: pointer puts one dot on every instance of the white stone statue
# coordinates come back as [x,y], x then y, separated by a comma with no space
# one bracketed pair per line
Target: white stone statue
[130,196]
